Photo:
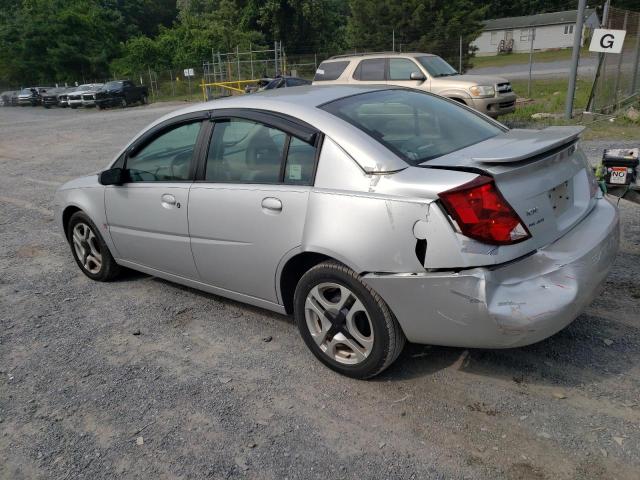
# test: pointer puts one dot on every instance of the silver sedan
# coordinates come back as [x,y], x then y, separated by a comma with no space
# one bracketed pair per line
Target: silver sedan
[374,215]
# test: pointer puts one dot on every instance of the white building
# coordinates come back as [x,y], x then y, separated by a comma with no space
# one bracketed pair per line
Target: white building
[552,31]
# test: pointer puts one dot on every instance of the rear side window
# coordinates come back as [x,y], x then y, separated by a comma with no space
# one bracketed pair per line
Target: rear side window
[330,71]
[243,151]
[416,126]
[370,70]
[301,158]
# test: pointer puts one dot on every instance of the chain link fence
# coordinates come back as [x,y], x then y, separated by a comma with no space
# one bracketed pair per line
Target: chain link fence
[617,80]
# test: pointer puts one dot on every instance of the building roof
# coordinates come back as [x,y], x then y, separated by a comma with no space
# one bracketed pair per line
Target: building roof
[552,18]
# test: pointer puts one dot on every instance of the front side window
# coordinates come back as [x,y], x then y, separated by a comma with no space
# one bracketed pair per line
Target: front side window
[371,70]
[416,126]
[436,66]
[401,69]
[166,158]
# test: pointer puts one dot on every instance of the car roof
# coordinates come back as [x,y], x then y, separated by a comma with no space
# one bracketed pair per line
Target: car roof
[301,103]
[354,56]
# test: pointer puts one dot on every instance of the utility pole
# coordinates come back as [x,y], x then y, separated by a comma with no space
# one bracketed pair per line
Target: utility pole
[393,40]
[575,58]
[460,63]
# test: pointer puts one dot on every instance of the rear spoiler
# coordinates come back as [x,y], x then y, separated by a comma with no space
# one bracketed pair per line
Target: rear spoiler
[522,144]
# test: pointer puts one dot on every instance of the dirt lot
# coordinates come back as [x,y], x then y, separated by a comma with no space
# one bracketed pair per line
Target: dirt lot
[212,399]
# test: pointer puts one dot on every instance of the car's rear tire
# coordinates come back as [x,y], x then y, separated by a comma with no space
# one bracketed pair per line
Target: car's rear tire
[89,250]
[345,323]
[123,102]
[144,100]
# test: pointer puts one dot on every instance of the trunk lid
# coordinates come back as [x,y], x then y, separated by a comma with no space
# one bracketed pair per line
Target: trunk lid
[543,175]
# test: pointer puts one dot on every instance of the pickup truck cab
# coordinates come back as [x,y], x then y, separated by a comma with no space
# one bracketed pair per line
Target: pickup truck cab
[121,93]
[490,95]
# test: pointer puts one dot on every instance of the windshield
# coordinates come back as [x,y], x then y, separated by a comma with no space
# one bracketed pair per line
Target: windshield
[437,67]
[416,126]
[26,90]
[112,85]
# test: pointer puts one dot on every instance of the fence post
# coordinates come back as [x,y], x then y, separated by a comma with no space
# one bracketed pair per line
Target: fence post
[575,58]
[251,59]
[238,60]
[532,34]
[634,78]
[460,63]
[617,85]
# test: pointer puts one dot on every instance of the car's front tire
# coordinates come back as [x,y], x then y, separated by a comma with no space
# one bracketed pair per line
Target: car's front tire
[345,323]
[89,250]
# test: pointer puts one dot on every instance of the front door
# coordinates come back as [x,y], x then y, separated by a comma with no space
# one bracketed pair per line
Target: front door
[399,73]
[250,208]
[147,216]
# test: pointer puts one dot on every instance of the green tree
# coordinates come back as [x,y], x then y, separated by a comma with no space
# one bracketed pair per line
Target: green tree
[432,26]
[57,40]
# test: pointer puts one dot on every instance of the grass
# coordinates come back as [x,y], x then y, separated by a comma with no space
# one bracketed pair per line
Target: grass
[549,95]
[506,59]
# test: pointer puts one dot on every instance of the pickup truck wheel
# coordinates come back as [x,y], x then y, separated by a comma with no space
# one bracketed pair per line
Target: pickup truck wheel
[345,323]
[144,100]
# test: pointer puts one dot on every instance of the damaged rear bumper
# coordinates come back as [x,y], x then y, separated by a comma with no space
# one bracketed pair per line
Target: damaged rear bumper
[511,305]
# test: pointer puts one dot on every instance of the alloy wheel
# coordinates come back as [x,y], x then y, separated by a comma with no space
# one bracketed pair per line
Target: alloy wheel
[86,247]
[339,323]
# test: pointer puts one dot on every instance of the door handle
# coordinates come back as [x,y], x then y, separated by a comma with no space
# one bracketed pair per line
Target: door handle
[272,203]
[169,200]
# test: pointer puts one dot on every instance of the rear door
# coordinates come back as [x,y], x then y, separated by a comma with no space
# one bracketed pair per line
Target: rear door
[147,215]
[248,208]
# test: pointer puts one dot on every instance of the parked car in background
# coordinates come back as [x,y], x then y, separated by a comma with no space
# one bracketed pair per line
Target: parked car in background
[29,96]
[259,85]
[490,95]
[285,81]
[5,98]
[374,215]
[121,93]
[50,97]
[63,98]
[74,99]
[89,97]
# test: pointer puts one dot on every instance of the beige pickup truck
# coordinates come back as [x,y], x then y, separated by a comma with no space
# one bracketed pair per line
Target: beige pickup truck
[490,95]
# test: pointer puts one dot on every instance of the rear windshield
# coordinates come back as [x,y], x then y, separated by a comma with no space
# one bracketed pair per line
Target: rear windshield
[330,71]
[416,126]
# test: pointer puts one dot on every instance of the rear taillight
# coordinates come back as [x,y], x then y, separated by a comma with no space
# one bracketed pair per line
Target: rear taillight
[482,213]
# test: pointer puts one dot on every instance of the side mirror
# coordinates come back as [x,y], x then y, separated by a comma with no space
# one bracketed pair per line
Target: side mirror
[417,76]
[113,176]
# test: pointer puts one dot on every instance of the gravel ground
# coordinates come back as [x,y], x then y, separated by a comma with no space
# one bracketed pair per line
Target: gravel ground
[141,378]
